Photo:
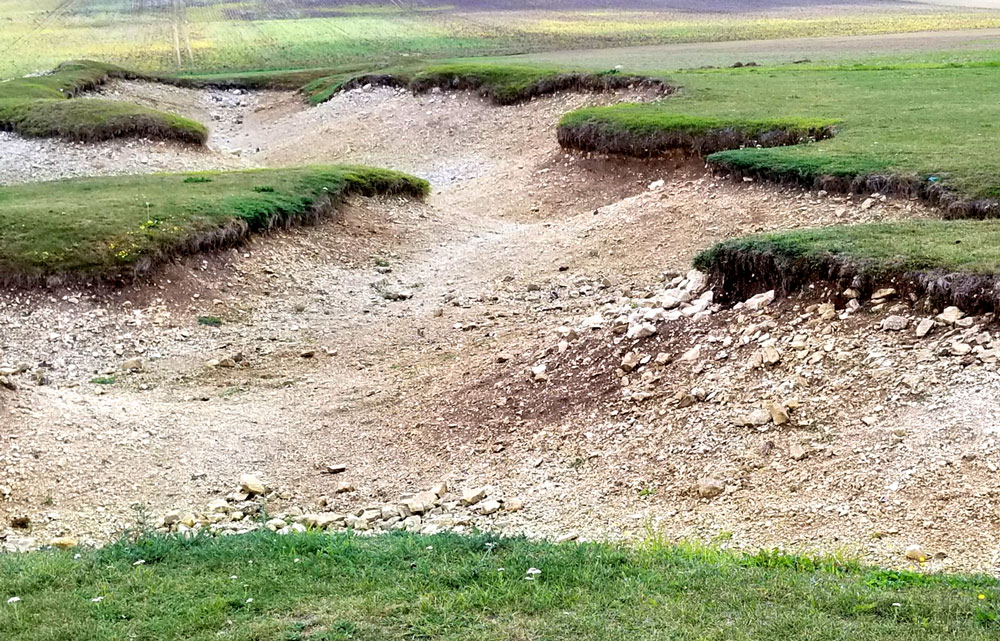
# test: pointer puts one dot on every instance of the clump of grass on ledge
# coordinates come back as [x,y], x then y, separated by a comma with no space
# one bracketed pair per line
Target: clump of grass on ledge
[647,130]
[953,262]
[501,84]
[451,587]
[65,81]
[287,79]
[115,228]
[40,106]
[91,120]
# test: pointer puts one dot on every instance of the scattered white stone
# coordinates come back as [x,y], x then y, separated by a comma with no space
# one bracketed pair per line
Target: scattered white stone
[710,488]
[759,301]
[895,323]
[472,496]
[251,484]
[950,315]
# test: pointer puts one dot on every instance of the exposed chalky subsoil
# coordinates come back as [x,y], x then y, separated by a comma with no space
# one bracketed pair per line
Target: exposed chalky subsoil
[482,339]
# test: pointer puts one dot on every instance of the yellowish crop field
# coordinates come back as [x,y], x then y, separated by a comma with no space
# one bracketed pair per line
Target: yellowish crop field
[216,35]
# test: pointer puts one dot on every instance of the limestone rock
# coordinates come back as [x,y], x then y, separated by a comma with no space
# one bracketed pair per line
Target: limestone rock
[472,496]
[218,505]
[692,354]
[760,301]
[950,315]
[640,330]
[778,413]
[489,507]
[710,488]
[251,484]
[63,542]
[924,327]
[895,323]
[133,365]
[630,361]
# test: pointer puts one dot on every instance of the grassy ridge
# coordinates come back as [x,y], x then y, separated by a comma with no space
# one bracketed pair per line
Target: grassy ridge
[645,130]
[40,106]
[501,84]
[952,262]
[449,587]
[114,228]
[91,120]
[65,81]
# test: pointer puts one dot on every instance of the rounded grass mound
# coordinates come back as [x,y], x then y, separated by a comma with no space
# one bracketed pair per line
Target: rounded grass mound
[92,120]
[647,130]
[41,107]
[117,228]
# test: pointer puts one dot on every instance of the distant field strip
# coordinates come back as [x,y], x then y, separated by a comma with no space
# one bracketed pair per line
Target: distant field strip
[216,35]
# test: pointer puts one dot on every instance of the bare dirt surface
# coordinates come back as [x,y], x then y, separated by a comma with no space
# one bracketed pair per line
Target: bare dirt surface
[405,340]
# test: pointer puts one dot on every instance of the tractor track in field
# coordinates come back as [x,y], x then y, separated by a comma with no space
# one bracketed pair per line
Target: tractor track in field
[518,240]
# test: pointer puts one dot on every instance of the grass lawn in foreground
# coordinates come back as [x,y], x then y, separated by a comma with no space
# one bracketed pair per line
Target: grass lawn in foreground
[116,227]
[400,586]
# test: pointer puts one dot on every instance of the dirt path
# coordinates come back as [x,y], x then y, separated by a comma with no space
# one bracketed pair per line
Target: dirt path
[517,240]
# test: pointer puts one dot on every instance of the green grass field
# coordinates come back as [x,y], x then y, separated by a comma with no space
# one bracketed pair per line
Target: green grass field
[113,228]
[220,35]
[923,122]
[448,587]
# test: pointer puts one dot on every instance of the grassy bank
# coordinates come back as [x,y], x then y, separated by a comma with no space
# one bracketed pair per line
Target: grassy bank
[318,586]
[113,228]
[498,83]
[952,262]
[645,130]
[42,107]
[928,131]
[90,120]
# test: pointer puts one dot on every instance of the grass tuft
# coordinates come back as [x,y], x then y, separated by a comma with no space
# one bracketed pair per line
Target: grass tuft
[116,228]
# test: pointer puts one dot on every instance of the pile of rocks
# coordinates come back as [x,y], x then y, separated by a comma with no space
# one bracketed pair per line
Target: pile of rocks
[436,509]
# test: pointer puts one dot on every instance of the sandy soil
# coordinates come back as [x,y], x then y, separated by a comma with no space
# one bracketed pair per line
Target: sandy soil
[517,241]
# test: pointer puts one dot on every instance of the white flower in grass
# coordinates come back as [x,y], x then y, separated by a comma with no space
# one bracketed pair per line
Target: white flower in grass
[532,573]
[14,599]
[97,599]
[140,562]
